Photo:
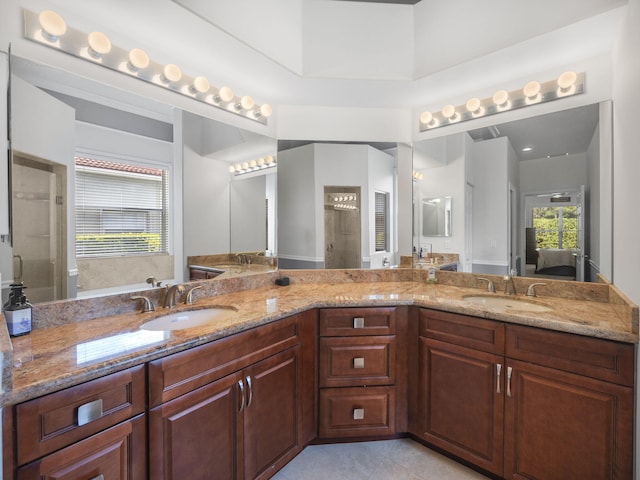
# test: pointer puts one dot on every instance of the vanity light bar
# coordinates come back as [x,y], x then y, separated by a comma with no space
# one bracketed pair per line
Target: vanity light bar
[253,165]
[48,28]
[566,85]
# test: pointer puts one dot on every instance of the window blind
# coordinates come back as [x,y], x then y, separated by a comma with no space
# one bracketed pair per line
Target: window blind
[382,221]
[121,209]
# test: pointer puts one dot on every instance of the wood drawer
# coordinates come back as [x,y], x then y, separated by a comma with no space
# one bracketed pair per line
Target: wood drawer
[177,374]
[463,330]
[593,357]
[357,361]
[341,322]
[118,452]
[56,420]
[357,412]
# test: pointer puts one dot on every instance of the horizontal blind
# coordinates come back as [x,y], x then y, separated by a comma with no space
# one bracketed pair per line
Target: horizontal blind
[382,221]
[121,209]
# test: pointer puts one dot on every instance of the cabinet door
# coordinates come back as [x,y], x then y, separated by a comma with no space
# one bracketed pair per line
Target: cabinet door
[194,436]
[461,402]
[117,453]
[272,414]
[564,426]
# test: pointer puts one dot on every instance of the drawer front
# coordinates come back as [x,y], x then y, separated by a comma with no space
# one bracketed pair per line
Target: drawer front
[341,322]
[59,419]
[357,412]
[116,453]
[357,361]
[593,357]
[463,330]
[177,374]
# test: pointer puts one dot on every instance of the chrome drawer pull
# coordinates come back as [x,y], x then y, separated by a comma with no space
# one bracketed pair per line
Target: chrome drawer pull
[89,412]
[358,413]
[250,388]
[98,477]
[509,370]
[358,362]
[498,370]
[358,322]
[241,386]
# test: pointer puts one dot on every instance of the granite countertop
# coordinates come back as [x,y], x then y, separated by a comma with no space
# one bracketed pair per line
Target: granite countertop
[67,353]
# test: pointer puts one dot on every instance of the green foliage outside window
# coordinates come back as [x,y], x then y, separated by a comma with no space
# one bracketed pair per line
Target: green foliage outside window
[546,221]
[119,243]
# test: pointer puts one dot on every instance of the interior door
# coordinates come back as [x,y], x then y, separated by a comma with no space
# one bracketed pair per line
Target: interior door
[582,214]
[43,145]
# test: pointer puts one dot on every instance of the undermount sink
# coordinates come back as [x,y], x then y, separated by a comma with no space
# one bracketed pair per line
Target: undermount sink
[508,303]
[188,319]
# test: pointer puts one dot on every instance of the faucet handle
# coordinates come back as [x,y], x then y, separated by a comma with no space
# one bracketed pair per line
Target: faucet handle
[188,298]
[490,287]
[531,290]
[147,306]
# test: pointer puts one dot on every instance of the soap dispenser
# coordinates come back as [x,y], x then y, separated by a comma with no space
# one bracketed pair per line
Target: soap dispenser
[17,311]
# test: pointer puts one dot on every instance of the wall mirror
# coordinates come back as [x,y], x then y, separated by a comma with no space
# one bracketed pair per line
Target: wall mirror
[533,196]
[336,204]
[436,217]
[150,148]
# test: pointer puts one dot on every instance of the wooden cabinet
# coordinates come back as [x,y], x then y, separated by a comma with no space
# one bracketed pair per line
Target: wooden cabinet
[94,430]
[358,371]
[202,273]
[234,408]
[460,405]
[563,401]
[569,401]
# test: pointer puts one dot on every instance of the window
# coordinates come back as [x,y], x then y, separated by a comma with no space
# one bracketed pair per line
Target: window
[121,209]
[556,227]
[382,221]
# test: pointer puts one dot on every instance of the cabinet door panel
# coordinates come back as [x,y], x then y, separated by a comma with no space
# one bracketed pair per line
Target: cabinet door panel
[461,402]
[563,426]
[272,416]
[117,453]
[194,436]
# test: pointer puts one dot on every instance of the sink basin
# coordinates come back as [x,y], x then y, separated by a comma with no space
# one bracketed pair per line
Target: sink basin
[508,303]
[188,319]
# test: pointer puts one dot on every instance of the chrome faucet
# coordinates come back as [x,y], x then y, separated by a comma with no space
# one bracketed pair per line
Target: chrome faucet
[509,285]
[147,306]
[170,296]
[490,287]
[531,291]
[188,298]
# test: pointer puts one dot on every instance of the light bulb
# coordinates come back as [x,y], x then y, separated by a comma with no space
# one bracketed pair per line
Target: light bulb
[246,103]
[172,73]
[225,94]
[266,110]
[252,164]
[53,25]
[449,112]
[200,85]
[473,105]
[426,118]
[500,98]
[245,165]
[260,161]
[99,44]
[238,167]
[567,79]
[268,159]
[531,89]
[232,169]
[138,59]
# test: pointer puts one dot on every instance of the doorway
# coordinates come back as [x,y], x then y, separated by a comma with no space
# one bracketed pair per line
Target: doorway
[38,222]
[342,227]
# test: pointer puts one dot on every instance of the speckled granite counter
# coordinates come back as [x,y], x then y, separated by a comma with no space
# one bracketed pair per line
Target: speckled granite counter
[72,343]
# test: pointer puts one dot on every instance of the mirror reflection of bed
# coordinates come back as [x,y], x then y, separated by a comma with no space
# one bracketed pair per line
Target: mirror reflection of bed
[551,263]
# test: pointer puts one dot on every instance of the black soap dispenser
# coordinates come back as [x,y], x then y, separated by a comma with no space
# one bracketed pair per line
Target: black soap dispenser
[17,311]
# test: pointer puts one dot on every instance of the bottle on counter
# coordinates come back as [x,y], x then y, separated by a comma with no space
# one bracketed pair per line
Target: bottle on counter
[17,311]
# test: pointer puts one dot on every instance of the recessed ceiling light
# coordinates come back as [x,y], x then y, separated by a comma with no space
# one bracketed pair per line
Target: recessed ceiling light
[527,149]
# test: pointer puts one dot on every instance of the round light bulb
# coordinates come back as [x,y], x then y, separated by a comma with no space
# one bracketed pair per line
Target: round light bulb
[260,161]
[473,105]
[201,84]
[531,89]
[232,169]
[567,79]
[225,94]
[172,73]
[266,110]
[245,165]
[449,111]
[52,24]
[238,167]
[501,97]
[99,44]
[252,164]
[138,59]
[268,159]
[246,102]
[426,118]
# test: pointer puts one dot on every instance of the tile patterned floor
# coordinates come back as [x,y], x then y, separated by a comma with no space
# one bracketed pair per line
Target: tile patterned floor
[401,459]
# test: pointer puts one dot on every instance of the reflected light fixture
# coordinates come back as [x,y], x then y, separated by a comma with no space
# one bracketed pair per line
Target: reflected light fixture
[52,24]
[254,165]
[99,44]
[50,29]
[568,83]
[137,60]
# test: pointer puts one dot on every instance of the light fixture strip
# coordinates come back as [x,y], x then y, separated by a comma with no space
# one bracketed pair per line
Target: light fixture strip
[76,43]
[502,101]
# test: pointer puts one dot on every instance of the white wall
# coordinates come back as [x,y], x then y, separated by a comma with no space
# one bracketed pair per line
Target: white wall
[592,236]
[381,178]
[551,174]
[248,216]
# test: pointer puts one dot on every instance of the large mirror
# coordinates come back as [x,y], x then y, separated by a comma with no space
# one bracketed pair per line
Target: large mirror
[98,203]
[533,197]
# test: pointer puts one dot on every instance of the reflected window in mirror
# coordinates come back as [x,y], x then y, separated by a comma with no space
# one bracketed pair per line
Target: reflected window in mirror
[382,221]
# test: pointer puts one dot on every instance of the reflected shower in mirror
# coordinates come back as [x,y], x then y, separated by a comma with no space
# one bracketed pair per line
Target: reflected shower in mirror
[533,196]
